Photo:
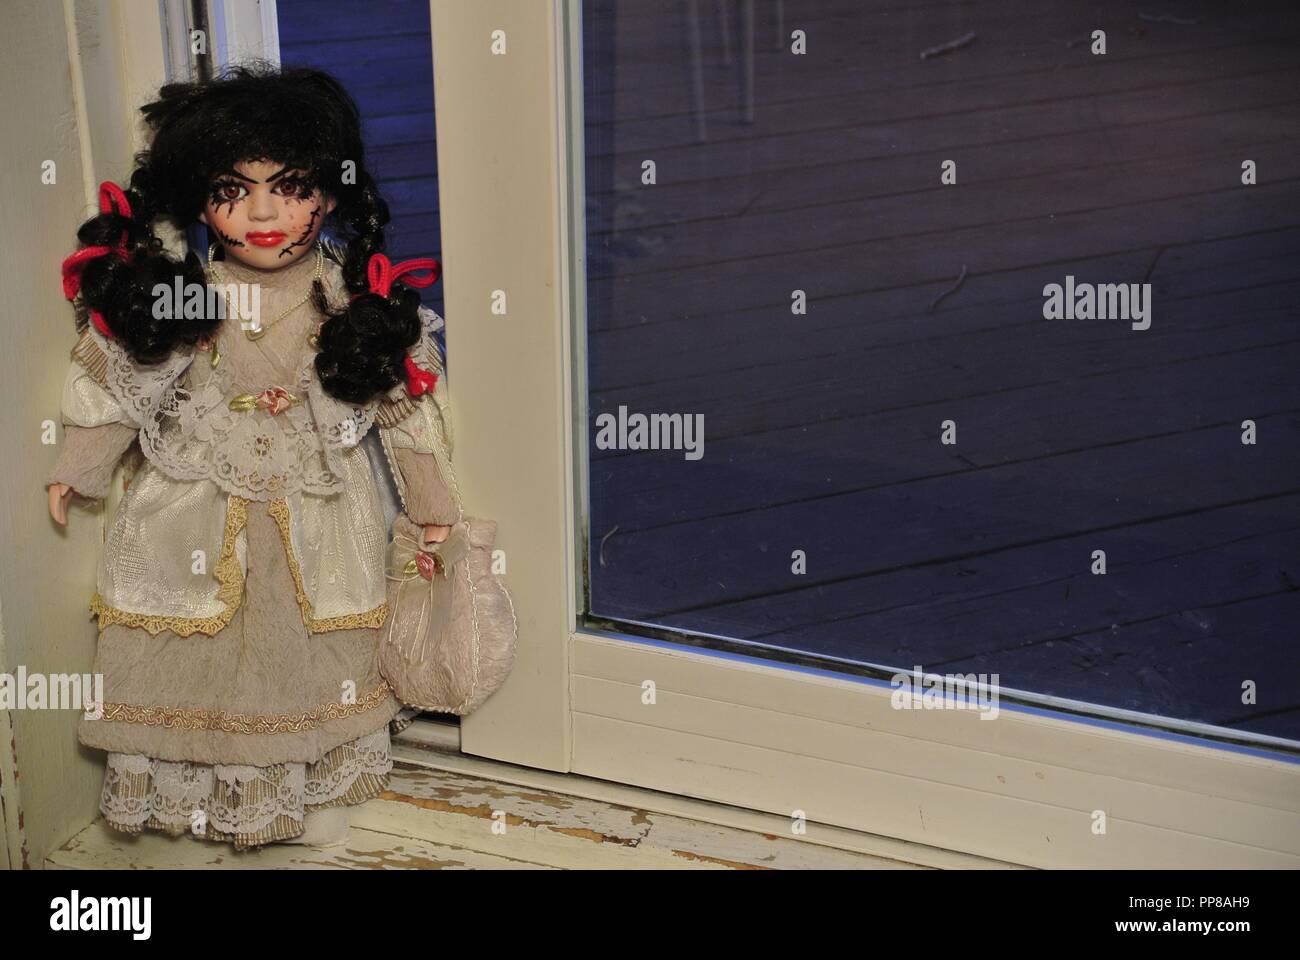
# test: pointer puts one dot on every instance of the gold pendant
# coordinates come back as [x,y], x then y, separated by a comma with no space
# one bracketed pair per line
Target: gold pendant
[256,332]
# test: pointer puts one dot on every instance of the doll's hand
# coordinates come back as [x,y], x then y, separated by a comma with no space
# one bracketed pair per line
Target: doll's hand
[60,494]
[434,533]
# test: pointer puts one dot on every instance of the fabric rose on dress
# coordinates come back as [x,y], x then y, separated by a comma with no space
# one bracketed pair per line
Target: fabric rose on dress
[275,400]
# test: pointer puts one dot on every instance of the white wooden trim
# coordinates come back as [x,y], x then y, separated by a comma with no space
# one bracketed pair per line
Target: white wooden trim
[1021,788]
[573,279]
[503,180]
[174,18]
[245,29]
[425,744]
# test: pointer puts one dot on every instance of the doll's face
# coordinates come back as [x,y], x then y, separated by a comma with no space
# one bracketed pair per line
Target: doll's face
[265,215]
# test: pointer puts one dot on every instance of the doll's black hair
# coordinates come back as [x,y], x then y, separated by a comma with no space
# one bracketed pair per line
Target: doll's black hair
[257,111]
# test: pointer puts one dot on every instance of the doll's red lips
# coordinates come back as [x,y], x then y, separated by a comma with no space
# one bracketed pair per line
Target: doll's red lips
[273,239]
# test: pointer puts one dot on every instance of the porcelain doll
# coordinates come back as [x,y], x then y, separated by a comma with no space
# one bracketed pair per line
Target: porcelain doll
[241,589]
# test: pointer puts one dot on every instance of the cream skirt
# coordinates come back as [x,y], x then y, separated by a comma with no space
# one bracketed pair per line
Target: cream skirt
[235,734]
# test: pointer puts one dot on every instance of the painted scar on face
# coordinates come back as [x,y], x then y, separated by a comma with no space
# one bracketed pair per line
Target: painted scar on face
[305,236]
[228,241]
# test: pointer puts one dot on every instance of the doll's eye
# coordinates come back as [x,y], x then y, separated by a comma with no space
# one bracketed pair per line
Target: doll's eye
[294,187]
[228,191]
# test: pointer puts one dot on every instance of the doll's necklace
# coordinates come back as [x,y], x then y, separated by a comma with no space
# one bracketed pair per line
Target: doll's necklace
[256,331]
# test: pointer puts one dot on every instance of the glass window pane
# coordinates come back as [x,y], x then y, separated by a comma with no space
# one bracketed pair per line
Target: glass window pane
[973,344]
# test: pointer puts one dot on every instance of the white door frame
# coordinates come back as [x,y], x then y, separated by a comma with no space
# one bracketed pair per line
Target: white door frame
[245,29]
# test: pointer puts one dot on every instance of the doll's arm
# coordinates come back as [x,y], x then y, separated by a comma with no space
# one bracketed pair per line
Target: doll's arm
[416,435]
[96,430]
[89,456]
[427,498]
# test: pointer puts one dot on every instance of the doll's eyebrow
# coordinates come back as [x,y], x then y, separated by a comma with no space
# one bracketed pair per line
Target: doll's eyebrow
[271,179]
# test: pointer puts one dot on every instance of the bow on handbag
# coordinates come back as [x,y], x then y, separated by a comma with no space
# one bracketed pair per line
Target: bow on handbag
[423,576]
[111,200]
[381,272]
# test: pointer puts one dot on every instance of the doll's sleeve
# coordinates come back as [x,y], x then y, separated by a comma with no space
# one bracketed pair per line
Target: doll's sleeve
[96,430]
[416,435]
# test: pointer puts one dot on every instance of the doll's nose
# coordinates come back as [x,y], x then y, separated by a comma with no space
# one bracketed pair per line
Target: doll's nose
[261,208]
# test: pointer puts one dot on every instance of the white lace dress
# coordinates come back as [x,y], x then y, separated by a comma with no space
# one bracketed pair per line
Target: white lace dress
[241,591]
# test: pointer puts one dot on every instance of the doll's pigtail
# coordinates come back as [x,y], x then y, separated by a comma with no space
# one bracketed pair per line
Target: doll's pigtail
[366,218]
[363,347]
[119,264]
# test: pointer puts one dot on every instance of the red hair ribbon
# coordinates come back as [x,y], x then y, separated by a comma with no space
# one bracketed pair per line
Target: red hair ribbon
[418,380]
[111,200]
[381,274]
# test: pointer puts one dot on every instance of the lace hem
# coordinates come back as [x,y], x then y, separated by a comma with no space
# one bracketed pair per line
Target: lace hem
[246,805]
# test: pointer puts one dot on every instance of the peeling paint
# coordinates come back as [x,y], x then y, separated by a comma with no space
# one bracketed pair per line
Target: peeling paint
[386,860]
[733,864]
[482,811]
[584,833]
[20,819]
[503,792]
[485,811]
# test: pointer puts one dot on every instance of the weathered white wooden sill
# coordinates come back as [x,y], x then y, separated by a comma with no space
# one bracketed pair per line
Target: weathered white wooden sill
[445,810]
